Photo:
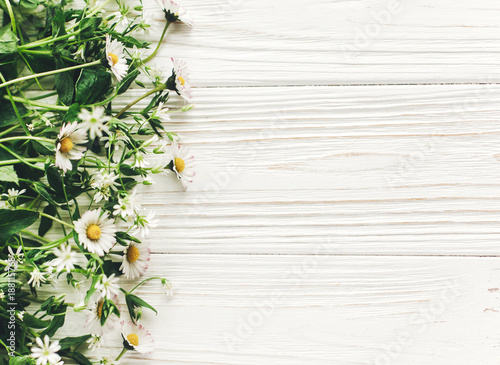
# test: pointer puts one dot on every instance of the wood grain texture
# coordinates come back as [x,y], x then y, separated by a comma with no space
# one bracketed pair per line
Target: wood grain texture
[325,217]
[245,309]
[325,42]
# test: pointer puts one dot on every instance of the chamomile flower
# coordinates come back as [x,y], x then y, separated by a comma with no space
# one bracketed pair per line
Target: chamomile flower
[36,278]
[179,81]
[95,342]
[96,231]
[95,121]
[65,258]
[135,258]
[116,58]
[69,145]
[46,352]
[137,338]
[108,286]
[173,12]
[143,223]
[94,314]
[104,182]
[183,163]
[167,287]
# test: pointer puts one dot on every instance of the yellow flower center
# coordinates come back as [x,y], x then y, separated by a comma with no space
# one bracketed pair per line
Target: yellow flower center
[93,232]
[66,145]
[132,254]
[99,308]
[180,165]
[113,58]
[181,80]
[133,339]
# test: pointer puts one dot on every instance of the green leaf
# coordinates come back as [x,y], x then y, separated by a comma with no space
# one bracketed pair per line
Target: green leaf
[92,289]
[7,173]
[134,301]
[55,181]
[65,85]
[127,81]
[34,322]
[72,113]
[88,26]
[42,190]
[8,115]
[12,221]
[46,223]
[43,148]
[21,360]
[8,40]
[81,359]
[56,323]
[68,342]
[92,85]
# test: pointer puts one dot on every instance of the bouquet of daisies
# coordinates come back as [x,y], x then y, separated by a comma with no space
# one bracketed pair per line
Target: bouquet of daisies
[71,158]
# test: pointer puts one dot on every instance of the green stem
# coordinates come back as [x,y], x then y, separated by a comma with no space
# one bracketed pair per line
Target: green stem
[35,103]
[7,131]
[11,15]
[145,281]
[52,93]
[34,235]
[12,162]
[14,106]
[16,138]
[155,90]
[46,41]
[21,158]
[150,57]
[55,219]
[121,354]
[48,73]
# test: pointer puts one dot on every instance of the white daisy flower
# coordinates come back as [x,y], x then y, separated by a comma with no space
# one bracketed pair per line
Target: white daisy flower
[17,256]
[37,277]
[95,122]
[95,342]
[137,338]
[144,223]
[104,182]
[179,81]
[183,163]
[135,258]
[108,286]
[65,258]
[46,352]
[69,143]
[94,313]
[96,232]
[116,58]
[127,205]
[173,12]
[167,287]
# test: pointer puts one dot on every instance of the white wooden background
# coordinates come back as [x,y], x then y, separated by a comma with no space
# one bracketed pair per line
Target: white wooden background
[346,206]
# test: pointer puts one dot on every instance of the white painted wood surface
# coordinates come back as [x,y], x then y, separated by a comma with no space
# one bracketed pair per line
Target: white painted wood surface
[326,217]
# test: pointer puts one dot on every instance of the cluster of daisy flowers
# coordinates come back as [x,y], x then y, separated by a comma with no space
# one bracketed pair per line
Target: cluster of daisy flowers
[74,170]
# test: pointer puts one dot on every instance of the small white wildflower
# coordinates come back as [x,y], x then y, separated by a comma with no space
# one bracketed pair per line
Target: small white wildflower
[17,256]
[144,223]
[46,352]
[127,206]
[95,121]
[95,342]
[167,287]
[65,258]
[108,286]
[37,277]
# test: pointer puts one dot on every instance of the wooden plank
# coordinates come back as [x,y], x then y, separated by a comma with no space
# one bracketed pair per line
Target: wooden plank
[324,42]
[398,170]
[275,309]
